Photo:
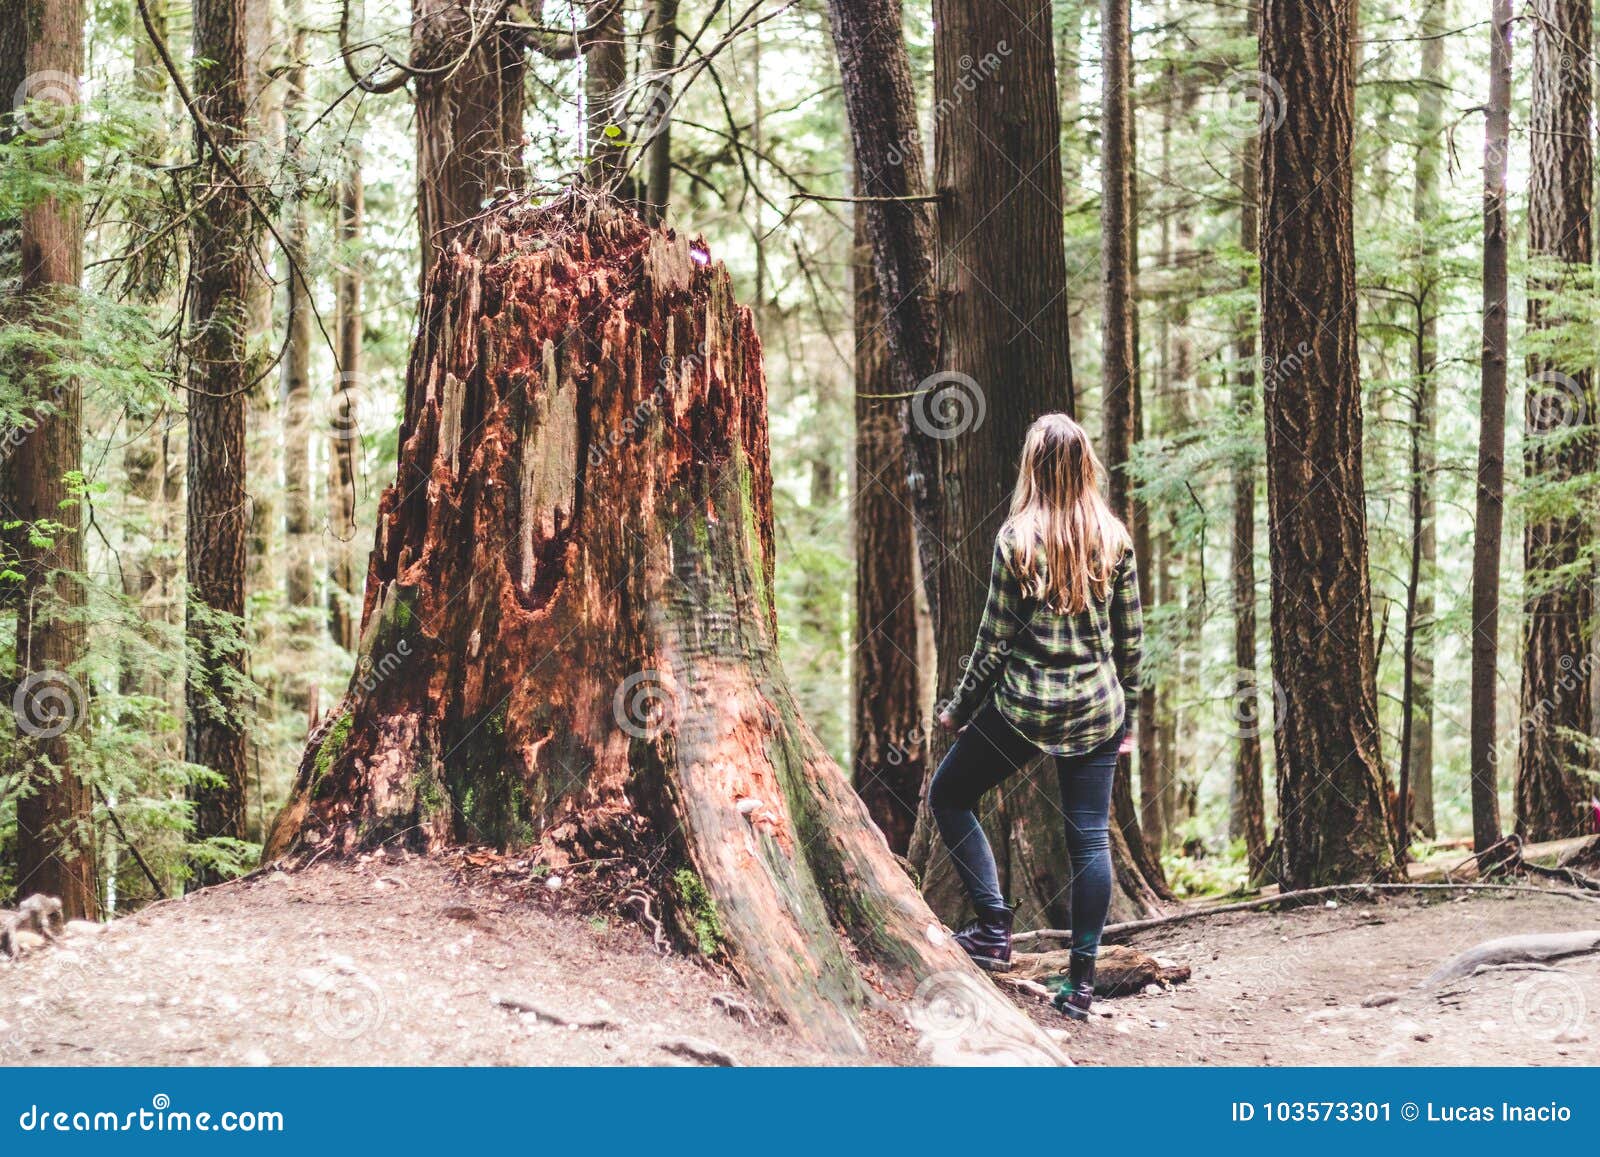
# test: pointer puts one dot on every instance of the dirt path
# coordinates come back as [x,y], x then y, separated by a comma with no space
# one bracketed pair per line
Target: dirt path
[1293,988]
[402,963]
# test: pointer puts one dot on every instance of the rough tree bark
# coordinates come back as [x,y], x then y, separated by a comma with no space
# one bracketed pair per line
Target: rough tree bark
[605,72]
[221,254]
[1116,221]
[1490,502]
[469,112]
[54,844]
[1558,612]
[658,163]
[263,113]
[344,426]
[891,741]
[571,599]
[886,138]
[1008,119]
[1248,817]
[1333,811]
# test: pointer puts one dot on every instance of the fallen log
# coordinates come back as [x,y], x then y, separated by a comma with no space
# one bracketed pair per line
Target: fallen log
[1120,970]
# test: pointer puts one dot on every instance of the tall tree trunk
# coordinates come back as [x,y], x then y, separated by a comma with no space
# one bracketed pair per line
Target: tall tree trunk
[344,447]
[596,673]
[152,469]
[605,72]
[1119,359]
[1004,360]
[879,99]
[1490,510]
[658,117]
[1333,812]
[1558,612]
[1248,820]
[13,73]
[299,578]
[891,743]
[1416,752]
[1152,768]
[221,254]
[886,137]
[263,112]
[469,114]
[54,843]
[1116,221]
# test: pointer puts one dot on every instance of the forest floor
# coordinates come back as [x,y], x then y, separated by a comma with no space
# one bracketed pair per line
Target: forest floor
[1341,986]
[414,961]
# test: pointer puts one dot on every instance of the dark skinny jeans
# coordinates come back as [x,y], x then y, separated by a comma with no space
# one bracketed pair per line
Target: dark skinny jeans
[988,751]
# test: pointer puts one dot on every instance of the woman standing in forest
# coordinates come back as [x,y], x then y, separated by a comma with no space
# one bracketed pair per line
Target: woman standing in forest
[1055,670]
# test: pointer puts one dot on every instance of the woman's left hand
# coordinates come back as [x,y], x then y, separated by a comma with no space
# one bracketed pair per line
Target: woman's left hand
[1129,741]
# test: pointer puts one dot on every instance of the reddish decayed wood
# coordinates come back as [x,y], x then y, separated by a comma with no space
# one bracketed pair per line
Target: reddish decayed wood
[569,637]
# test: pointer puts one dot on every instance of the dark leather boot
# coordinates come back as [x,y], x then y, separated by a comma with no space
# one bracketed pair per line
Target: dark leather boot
[1078,995]
[988,941]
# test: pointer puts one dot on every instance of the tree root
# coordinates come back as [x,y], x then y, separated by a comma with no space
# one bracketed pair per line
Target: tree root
[1513,951]
[1304,895]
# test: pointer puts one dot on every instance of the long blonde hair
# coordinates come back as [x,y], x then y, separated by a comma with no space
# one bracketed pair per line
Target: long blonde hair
[1065,541]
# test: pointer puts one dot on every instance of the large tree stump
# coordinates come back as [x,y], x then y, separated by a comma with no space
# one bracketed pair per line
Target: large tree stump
[569,635]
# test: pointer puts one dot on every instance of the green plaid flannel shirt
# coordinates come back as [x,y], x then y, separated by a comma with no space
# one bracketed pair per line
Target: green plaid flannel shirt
[1065,682]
